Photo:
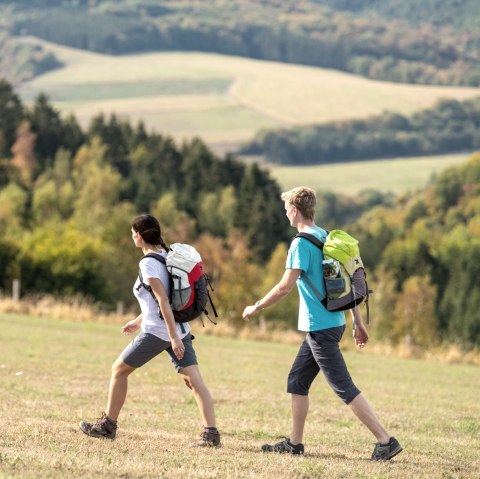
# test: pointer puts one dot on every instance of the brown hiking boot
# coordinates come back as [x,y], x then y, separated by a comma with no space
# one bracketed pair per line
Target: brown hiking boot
[209,438]
[104,427]
[384,452]
[284,446]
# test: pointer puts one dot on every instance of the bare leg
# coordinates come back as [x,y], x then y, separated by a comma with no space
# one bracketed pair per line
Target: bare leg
[362,409]
[118,388]
[193,379]
[300,406]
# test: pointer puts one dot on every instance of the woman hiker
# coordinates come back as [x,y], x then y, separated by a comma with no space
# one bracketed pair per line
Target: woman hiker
[159,332]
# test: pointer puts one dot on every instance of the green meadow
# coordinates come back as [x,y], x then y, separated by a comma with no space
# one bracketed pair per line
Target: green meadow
[398,175]
[54,373]
[223,99]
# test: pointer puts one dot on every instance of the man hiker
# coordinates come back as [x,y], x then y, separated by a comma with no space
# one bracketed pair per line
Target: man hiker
[320,349]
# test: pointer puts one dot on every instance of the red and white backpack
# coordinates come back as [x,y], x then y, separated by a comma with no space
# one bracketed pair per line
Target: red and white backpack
[188,282]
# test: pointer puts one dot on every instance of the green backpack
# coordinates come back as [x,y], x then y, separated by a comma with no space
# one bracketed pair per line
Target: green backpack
[343,272]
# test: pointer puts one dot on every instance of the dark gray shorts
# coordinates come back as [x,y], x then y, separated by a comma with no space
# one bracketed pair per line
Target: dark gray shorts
[320,351]
[146,346]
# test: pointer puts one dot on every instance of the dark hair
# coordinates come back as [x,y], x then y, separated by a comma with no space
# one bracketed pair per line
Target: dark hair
[148,228]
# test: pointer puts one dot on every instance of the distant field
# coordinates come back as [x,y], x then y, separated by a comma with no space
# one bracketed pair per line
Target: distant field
[222,99]
[55,373]
[393,175]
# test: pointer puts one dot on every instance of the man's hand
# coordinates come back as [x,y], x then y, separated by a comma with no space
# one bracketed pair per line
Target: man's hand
[249,311]
[360,334]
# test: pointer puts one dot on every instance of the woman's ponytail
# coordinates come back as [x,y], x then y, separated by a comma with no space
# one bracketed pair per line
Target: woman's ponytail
[164,245]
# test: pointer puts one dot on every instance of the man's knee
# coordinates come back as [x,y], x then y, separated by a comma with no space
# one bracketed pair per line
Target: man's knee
[346,391]
[352,394]
[297,385]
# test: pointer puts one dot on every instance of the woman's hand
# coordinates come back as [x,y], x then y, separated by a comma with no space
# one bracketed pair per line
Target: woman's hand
[178,347]
[131,326]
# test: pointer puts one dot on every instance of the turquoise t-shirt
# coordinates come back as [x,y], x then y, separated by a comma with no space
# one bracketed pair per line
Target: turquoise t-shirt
[304,255]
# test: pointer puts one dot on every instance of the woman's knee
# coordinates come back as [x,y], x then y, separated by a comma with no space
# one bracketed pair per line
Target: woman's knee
[188,383]
[120,368]
[191,377]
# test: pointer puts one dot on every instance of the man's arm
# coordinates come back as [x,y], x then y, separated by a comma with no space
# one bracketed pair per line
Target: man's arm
[360,333]
[278,292]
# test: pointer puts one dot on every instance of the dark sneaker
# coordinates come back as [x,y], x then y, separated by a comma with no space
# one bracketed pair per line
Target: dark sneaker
[209,438]
[284,446]
[104,427]
[384,452]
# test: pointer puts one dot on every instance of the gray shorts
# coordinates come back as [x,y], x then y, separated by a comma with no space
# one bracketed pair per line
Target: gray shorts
[146,346]
[320,351]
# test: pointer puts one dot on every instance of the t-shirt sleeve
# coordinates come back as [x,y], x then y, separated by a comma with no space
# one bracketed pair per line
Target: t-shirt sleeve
[152,268]
[298,255]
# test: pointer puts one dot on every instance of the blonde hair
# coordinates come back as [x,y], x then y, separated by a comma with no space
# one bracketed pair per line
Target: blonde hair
[303,198]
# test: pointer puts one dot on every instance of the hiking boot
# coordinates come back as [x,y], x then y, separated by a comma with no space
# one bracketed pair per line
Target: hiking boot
[104,427]
[384,452]
[284,446]
[209,438]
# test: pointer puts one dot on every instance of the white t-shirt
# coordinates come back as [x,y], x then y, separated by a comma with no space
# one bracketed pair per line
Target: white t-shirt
[151,321]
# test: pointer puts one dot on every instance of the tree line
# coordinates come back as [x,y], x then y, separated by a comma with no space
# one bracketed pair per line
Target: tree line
[66,206]
[67,197]
[425,254]
[450,126]
[309,33]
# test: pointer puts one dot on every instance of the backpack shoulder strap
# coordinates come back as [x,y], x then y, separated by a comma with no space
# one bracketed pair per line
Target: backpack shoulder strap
[156,256]
[318,244]
[311,238]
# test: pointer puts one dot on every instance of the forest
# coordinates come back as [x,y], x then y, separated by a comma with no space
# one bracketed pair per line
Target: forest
[71,194]
[67,197]
[376,39]
[450,126]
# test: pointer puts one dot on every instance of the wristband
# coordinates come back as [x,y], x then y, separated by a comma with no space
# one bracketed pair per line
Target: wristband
[258,306]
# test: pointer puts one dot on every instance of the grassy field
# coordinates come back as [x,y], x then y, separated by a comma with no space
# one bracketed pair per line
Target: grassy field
[54,373]
[222,99]
[394,175]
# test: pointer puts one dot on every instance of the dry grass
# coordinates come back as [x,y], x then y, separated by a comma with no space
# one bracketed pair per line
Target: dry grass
[74,308]
[54,373]
[78,309]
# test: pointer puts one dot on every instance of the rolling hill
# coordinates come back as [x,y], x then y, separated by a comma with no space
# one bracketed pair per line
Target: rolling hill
[222,99]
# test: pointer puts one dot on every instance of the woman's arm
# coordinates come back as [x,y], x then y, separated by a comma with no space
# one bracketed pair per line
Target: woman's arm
[167,315]
[132,325]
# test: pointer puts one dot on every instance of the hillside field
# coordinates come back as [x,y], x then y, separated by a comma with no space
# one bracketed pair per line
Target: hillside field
[222,99]
[398,175]
[54,373]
